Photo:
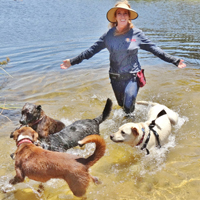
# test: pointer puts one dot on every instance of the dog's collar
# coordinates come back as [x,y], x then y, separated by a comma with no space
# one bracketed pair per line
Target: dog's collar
[141,140]
[22,139]
[36,122]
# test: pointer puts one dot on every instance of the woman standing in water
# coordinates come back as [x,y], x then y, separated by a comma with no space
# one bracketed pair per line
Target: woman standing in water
[123,41]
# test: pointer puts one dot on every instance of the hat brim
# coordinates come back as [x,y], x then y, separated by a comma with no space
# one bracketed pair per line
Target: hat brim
[111,14]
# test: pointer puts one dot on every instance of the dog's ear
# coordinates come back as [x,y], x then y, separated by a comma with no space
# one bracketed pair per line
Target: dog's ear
[11,135]
[39,107]
[35,136]
[134,131]
[15,134]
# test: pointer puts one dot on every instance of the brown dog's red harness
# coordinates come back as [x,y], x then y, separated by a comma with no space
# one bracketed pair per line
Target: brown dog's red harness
[23,141]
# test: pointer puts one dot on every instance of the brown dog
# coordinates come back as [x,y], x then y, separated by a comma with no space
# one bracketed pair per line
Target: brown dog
[42,165]
[33,116]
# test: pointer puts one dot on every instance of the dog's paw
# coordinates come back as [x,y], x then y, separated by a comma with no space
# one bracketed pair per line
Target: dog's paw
[12,181]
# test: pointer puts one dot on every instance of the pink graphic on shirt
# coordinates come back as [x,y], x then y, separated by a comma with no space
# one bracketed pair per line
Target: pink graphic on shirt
[130,40]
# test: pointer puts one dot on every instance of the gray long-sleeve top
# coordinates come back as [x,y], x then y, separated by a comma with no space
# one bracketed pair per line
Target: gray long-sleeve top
[124,50]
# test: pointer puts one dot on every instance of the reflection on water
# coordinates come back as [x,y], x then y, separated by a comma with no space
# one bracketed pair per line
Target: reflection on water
[81,92]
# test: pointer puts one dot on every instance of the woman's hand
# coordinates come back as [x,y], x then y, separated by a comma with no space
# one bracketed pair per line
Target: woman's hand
[181,64]
[66,64]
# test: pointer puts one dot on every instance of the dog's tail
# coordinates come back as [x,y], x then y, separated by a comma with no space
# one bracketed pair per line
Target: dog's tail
[146,103]
[106,112]
[98,153]
[173,116]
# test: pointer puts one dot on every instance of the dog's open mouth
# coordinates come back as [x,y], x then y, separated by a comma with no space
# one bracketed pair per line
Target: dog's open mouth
[114,139]
[117,141]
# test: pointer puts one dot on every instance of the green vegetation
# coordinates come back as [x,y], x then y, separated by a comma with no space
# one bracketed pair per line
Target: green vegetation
[5,62]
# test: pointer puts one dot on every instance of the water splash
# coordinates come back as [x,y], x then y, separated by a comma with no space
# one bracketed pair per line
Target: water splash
[85,151]
[155,161]
[181,121]
[66,121]
[5,185]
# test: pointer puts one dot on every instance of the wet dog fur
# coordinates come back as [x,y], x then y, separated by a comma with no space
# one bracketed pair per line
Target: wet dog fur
[42,165]
[70,135]
[34,116]
[133,133]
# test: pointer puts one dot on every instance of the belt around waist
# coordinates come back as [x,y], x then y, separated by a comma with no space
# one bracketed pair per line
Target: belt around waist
[123,76]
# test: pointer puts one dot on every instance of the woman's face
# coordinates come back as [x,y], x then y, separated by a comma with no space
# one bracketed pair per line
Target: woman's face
[122,17]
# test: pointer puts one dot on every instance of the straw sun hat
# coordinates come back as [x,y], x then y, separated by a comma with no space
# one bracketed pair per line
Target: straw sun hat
[111,12]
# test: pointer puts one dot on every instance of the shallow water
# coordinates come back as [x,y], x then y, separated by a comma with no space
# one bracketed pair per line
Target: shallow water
[37,36]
